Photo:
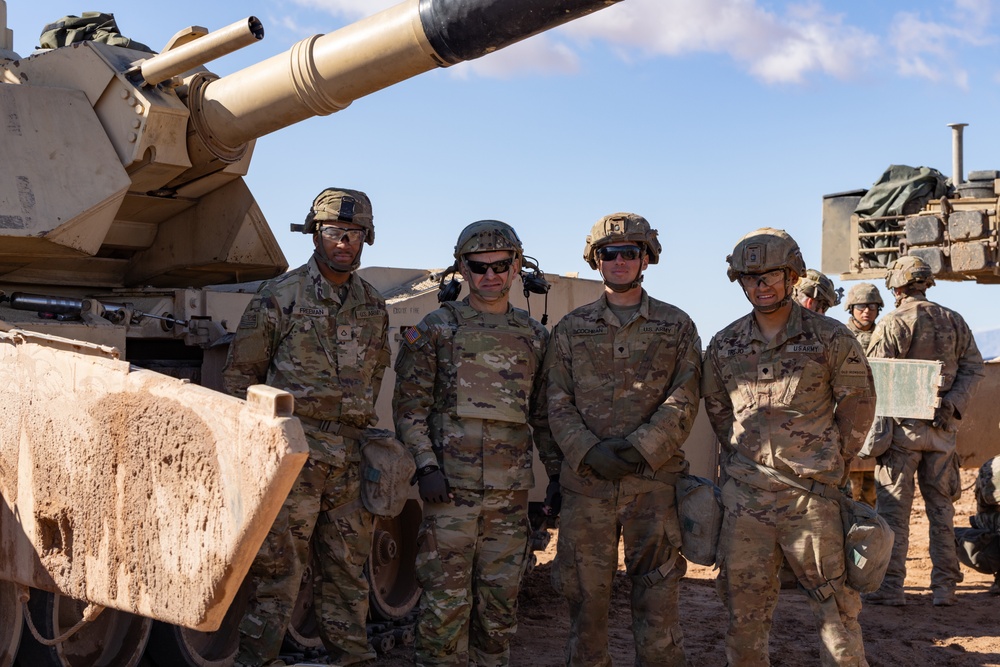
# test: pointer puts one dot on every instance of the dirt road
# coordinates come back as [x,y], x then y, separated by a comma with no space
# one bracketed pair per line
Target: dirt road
[917,635]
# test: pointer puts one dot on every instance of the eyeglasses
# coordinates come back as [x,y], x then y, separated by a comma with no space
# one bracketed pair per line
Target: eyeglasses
[353,236]
[480,268]
[865,306]
[755,280]
[610,253]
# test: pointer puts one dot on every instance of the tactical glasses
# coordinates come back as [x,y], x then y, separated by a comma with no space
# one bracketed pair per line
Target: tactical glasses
[610,253]
[755,280]
[866,306]
[339,234]
[480,268]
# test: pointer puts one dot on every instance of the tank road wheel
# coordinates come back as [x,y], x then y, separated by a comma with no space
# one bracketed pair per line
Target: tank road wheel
[174,646]
[10,628]
[302,635]
[391,571]
[113,639]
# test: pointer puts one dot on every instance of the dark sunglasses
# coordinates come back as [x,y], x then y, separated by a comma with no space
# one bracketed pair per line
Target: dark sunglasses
[480,268]
[610,253]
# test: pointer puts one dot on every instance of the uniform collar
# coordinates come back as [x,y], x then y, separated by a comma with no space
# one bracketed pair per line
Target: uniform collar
[327,291]
[792,329]
[605,313]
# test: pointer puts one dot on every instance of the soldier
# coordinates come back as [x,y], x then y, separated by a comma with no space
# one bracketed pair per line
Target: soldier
[922,329]
[815,291]
[790,397]
[623,394]
[465,404]
[319,332]
[863,304]
[979,546]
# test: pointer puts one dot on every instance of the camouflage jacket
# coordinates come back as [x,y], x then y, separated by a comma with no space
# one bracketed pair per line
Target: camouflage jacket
[637,380]
[296,335]
[469,398]
[864,336]
[922,329]
[802,403]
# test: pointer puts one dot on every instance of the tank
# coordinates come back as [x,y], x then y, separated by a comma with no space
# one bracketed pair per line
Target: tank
[134,494]
[954,227]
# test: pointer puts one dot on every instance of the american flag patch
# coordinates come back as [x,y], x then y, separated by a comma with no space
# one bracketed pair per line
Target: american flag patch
[412,335]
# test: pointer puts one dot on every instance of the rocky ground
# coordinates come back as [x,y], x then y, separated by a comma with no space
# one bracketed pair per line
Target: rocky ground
[919,634]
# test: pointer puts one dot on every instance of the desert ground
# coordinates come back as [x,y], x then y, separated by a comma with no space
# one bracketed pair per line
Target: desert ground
[919,634]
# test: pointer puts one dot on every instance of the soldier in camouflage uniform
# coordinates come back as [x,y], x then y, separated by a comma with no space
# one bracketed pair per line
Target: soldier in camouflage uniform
[863,304]
[979,545]
[465,404]
[319,332]
[790,397]
[623,394]
[922,329]
[815,291]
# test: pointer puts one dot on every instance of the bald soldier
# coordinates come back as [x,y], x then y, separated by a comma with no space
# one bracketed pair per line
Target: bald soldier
[320,333]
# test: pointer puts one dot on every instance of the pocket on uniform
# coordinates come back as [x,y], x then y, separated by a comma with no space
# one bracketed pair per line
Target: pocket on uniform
[804,382]
[428,560]
[952,478]
[565,574]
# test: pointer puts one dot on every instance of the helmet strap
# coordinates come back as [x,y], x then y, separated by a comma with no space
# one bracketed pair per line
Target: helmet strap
[767,310]
[493,298]
[860,325]
[319,252]
[625,287]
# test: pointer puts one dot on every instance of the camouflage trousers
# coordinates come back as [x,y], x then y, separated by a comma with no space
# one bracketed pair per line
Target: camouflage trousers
[341,546]
[470,558]
[585,566]
[760,529]
[936,469]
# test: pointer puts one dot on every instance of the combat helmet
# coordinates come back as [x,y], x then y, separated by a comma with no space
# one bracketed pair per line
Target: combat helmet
[488,236]
[863,293]
[622,228]
[340,205]
[763,250]
[908,270]
[819,287]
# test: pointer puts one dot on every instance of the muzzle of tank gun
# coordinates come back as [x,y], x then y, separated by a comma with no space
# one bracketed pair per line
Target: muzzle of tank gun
[197,51]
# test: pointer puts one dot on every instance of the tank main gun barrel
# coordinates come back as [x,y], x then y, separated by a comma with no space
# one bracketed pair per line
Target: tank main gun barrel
[325,73]
[199,51]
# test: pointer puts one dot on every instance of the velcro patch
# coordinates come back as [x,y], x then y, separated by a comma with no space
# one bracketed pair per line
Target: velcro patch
[815,348]
[733,351]
[310,311]
[369,312]
[656,328]
[250,320]
[589,331]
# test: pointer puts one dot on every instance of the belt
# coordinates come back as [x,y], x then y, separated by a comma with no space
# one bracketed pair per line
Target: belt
[335,427]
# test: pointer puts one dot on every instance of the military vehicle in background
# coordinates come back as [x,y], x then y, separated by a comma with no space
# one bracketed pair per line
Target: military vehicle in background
[122,201]
[953,226]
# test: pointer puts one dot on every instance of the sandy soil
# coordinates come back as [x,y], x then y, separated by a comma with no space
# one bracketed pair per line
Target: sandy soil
[919,634]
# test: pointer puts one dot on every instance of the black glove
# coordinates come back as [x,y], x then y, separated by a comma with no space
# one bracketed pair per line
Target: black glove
[553,498]
[944,416]
[433,485]
[631,455]
[605,462]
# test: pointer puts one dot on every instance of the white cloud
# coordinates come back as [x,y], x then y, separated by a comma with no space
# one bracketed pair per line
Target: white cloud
[352,9]
[538,55]
[775,48]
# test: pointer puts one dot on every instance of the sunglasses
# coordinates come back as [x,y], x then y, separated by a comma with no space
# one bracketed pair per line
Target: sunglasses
[610,253]
[353,236]
[866,306]
[480,268]
[755,280]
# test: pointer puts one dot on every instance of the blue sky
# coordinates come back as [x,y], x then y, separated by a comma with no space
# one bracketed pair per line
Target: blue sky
[710,118]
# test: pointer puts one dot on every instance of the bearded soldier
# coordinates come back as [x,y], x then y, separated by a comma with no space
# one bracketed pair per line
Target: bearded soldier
[320,333]
[790,397]
[623,394]
[465,404]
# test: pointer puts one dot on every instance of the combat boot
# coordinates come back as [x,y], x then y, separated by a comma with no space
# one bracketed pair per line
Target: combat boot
[945,597]
[885,597]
